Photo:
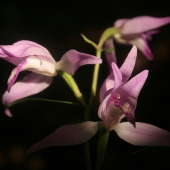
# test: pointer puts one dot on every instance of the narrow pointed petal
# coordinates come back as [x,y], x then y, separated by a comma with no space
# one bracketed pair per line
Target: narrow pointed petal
[133,87]
[29,85]
[141,24]
[143,46]
[106,87]
[110,56]
[8,112]
[112,81]
[66,135]
[143,135]
[128,65]
[103,107]
[72,60]
[117,75]
[148,35]
[20,50]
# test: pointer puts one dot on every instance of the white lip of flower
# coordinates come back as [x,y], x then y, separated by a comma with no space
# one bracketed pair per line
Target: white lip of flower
[40,66]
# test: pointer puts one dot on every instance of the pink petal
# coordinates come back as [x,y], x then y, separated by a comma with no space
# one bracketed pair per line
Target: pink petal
[8,112]
[132,88]
[72,60]
[103,107]
[117,75]
[142,45]
[72,134]
[20,50]
[112,81]
[29,85]
[148,35]
[110,56]
[143,135]
[106,87]
[128,65]
[141,24]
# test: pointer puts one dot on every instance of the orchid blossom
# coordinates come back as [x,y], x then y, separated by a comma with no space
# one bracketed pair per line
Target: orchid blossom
[138,30]
[118,98]
[27,55]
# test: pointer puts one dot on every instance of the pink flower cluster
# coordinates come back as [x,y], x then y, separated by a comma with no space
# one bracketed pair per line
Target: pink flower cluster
[118,94]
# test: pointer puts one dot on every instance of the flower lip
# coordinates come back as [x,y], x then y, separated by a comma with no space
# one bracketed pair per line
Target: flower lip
[125,108]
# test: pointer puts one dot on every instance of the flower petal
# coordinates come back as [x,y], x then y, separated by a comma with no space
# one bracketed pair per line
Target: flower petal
[142,45]
[103,107]
[143,135]
[128,65]
[132,88]
[142,24]
[29,85]
[106,87]
[20,50]
[110,56]
[73,59]
[8,112]
[72,134]
[112,81]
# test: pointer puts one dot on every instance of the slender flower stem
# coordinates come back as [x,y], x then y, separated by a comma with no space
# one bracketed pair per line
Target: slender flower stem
[94,86]
[106,34]
[88,110]
[101,148]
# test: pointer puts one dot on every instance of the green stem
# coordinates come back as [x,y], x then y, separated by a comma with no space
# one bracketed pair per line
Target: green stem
[40,99]
[88,110]
[101,148]
[87,155]
[94,86]
[106,34]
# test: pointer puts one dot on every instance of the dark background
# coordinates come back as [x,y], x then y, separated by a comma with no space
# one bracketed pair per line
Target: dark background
[57,26]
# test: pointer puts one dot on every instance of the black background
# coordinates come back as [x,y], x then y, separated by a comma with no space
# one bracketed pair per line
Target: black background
[57,26]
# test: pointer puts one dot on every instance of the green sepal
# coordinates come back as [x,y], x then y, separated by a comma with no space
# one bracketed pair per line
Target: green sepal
[101,149]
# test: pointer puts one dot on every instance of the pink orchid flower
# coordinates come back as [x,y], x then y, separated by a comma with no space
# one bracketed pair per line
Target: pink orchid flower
[118,98]
[27,55]
[138,30]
